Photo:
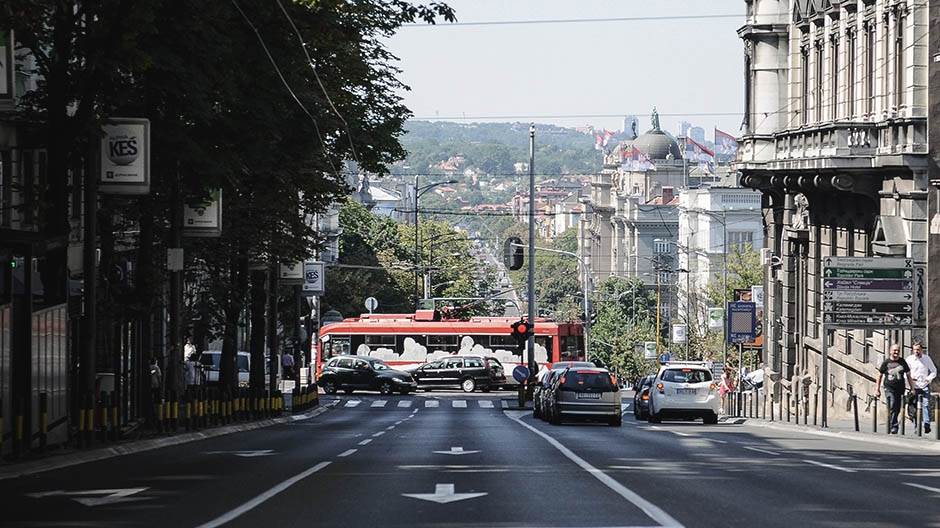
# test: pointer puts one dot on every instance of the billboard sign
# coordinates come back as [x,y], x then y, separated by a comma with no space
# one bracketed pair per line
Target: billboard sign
[314,277]
[203,218]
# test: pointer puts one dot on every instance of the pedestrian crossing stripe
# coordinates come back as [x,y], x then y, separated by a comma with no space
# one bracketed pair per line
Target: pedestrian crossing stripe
[352,403]
[428,404]
[379,403]
[486,404]
[459,404]
[431,403]
[404,403]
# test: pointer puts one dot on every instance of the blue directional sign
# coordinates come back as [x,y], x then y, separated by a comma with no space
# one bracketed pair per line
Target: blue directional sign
[665,358]
[520,373]
[742,322]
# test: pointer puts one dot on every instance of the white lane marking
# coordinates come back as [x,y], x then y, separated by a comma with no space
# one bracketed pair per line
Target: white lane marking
[459,404]
[399,422]
[830,466]
[921,486]
[457,450]
[678,433]
[431,403]
[108,496]
[759,450]
[404,403]
[389,428]
[380,433]
[365,442]
[260,499]
[347,452]
[352,403]
[654,512]
[486,404]
[716,440]
[378,403]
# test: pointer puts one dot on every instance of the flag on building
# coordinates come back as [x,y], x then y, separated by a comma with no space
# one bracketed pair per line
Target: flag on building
[637,161]
[725,144]
[607,136]
[696,152]
[598,142]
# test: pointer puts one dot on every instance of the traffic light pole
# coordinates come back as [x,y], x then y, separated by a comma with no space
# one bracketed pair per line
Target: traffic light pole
[531,275]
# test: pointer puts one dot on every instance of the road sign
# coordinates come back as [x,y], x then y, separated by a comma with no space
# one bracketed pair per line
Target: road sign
[371,304]
[869,291]
[649,350]
[680,333]
[716,317]
[742,322]
[314,276]
[664,358]
[520,373]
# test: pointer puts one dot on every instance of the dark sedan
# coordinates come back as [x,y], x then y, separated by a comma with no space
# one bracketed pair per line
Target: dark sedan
[350,373]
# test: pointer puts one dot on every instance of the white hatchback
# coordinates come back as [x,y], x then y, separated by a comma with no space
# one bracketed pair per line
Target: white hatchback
[684,391]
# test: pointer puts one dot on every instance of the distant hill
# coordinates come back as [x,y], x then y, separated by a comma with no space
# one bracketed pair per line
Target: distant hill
[495,148]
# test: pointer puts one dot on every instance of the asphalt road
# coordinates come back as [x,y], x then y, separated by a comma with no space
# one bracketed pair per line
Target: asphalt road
[458,461]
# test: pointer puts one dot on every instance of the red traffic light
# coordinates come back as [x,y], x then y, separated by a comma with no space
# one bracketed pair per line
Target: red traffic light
[521,330]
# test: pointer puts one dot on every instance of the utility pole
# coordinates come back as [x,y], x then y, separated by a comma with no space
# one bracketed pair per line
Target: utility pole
[89,279]
[272,325]
[176,287]
[531,277]
[724,289]
[417,246]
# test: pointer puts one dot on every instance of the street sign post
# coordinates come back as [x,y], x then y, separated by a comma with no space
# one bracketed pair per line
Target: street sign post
[371,304]
[865,292]
[742,322]
[314,275]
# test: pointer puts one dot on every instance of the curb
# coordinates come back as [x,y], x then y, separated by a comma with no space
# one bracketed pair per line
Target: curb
[847,435]
[74,459]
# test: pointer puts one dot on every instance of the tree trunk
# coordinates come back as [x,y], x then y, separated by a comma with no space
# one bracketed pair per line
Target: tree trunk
[258,301]
[146,278]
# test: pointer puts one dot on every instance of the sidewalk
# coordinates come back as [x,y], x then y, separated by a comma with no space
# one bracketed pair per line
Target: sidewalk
[71,457]
[845,429]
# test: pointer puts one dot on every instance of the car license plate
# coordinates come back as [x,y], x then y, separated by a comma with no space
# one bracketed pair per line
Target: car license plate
[589,396]
[686,391]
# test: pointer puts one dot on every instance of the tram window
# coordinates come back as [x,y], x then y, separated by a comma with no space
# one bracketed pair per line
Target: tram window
[503,341]
[443,341]
[380,340]
[572,348]
[337,346]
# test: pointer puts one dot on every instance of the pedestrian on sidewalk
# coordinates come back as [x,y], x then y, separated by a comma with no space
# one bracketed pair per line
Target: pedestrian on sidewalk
[156,389]
[893,372]
[923,371]
[287,364]
[726,386]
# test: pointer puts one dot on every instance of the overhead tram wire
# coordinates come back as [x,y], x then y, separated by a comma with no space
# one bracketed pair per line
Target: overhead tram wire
[316,75]
[573,116]
[581,20]
[326,152]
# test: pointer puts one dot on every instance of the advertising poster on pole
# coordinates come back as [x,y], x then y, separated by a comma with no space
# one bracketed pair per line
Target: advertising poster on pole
[748,295]
[124,157]
[203,218]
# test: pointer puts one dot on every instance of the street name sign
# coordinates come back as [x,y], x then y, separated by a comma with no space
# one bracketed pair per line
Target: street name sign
[868,291]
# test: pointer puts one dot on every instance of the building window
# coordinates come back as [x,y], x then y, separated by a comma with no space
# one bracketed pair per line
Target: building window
[850,45]
[804,85]
[740,240]
[834,77]
[869,68]
[819,82]
[661,246]
[899,60]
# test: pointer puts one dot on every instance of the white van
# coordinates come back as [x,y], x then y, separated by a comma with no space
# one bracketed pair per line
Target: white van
[211,359]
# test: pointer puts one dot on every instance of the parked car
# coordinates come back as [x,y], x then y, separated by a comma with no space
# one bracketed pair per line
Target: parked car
[641,397]
[684,390]
[350,373]
[586,393]
[211,360]
[465,372]
[545,380]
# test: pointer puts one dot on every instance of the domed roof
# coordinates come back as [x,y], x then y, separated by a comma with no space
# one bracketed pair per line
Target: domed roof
[657,145]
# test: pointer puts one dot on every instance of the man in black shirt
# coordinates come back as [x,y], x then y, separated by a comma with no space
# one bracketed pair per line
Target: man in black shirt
[893,372]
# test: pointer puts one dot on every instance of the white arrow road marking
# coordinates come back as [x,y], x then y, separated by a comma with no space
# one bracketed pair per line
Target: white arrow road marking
[246,454]
[378,403]
[109,496]
[456,451]
[443,493]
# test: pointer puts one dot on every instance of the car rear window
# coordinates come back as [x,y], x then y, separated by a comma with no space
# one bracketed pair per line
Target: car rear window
[686,375]
[588,380]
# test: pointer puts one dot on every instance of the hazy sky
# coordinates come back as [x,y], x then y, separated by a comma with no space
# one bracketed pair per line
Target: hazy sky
[622,67]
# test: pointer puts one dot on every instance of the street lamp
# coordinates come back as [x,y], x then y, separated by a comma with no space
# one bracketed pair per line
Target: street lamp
[419,191]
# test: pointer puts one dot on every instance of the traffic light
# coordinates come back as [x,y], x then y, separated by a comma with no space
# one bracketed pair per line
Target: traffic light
[593,317]
[521,330]
[513,253]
